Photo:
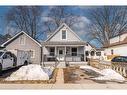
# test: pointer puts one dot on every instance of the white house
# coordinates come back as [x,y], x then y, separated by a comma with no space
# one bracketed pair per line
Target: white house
[118,46]
[65,45]
[62,45]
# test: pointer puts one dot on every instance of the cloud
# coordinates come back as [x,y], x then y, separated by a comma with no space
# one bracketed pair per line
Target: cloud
[45,18]
[11,30]
[82,26]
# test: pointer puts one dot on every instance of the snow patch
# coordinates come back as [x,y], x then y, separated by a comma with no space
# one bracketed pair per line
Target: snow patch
[31,72]
[109,74]
[90,68]
[105,74]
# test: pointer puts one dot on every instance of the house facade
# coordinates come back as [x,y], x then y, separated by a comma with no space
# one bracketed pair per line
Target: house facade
[65,45]
[22,41]
[118,46]
[62,45]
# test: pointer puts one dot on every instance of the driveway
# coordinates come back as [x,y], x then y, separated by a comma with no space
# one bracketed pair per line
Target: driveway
[7,73]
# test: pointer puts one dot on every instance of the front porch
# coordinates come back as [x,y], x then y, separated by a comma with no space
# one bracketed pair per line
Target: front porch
[64,53]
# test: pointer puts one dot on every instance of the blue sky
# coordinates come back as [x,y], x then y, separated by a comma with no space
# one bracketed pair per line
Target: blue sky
[4,9]
[79,28]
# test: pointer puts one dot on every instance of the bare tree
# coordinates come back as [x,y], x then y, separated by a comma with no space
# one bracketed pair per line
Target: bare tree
[59,15]
[25,18]
[107,22]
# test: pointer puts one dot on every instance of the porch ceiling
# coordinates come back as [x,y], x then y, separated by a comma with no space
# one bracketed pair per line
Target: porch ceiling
[67,43]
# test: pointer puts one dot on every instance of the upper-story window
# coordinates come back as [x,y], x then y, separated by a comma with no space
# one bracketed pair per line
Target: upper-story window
[63,34]
[22,40]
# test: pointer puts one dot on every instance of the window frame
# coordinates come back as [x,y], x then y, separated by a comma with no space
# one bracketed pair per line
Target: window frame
[74,52]
[33,55]
[50,53]
[64,34]
[22,37]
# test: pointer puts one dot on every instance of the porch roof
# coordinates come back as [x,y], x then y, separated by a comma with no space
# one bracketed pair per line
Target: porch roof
[63,43]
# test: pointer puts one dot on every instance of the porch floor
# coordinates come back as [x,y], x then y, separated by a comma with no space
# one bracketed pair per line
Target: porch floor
[63,65]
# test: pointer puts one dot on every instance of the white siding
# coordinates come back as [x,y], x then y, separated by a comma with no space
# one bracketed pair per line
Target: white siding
[81,50]
[88,48]
[118,50]
[70,36]
[45,50]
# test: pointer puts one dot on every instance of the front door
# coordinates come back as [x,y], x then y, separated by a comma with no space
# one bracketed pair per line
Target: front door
[61,54]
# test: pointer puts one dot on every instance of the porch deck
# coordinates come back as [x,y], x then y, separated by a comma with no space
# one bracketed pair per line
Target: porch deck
[63,64]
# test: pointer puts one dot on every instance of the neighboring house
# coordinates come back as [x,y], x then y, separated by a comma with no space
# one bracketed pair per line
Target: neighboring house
[22,41]
[93,52]
[65,45]
[118,46]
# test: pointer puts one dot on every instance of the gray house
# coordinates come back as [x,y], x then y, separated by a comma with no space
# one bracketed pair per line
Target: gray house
[22,41]
[64,45]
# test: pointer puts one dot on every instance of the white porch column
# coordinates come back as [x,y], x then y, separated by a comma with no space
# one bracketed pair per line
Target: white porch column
[65,54]
[65,50]
[55,51]
[84,54]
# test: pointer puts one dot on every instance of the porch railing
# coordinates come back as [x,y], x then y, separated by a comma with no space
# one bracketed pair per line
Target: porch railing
[69,58]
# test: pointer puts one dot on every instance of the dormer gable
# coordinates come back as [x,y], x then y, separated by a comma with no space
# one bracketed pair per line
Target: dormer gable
[64,33]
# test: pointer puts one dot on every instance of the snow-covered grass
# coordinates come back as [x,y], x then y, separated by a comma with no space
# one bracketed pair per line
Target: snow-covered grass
[105,74]
[31,72]
[109,74]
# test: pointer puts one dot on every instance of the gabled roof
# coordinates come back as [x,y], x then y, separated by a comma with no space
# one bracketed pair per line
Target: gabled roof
[117,43]
[57,30]
[17,35]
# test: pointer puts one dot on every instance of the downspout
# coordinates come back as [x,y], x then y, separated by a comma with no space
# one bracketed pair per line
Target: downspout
[41,56]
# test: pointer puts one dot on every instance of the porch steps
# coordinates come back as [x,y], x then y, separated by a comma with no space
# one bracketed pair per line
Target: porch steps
[61,65]
[77,63]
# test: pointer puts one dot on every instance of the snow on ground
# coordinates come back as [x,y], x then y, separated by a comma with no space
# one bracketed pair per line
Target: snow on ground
[31,72]
[107,74]
[88,68]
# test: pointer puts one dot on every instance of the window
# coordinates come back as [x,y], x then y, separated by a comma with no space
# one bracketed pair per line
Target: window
[63,34]
[112,52]
[22,40]
[60,52]
[52,51]
[98,53]
[74,51]
[68,50]
[92,53]
[7,55]
[32,53]
[87,53]
[1,53]
[119,59]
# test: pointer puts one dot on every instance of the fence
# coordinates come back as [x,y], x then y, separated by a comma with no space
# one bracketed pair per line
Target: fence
[121,68]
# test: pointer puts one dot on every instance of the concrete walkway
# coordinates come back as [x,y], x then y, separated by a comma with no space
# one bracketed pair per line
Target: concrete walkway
[60,76]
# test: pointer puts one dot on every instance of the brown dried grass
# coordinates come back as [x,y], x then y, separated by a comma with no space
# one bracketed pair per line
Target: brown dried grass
[67,74]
